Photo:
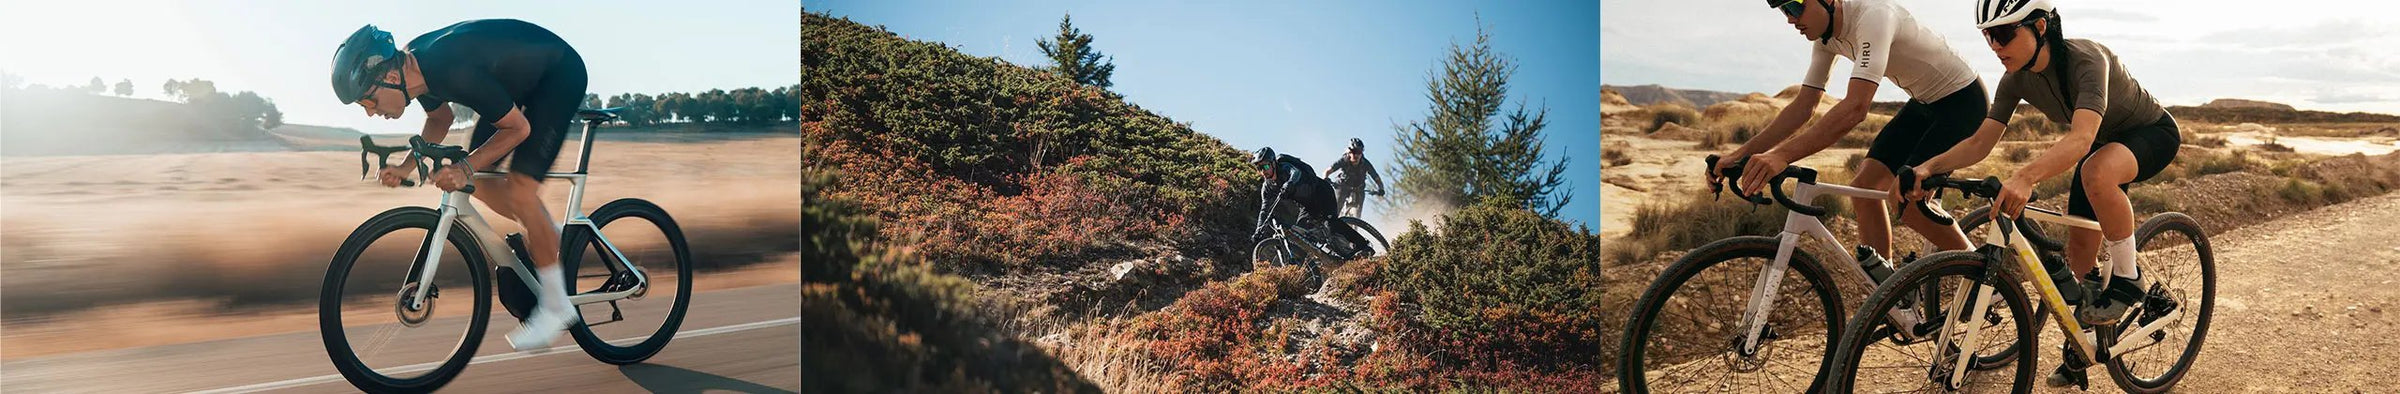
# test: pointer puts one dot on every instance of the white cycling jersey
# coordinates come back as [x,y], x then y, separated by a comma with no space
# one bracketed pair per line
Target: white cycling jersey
[1883,40]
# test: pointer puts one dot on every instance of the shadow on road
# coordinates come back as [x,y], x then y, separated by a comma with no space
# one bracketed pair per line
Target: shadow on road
[665,379]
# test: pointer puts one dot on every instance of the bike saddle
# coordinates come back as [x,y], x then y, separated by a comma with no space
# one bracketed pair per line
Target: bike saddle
[599,115]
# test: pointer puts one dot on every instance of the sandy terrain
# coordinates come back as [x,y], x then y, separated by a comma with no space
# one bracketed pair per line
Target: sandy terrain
[195,236]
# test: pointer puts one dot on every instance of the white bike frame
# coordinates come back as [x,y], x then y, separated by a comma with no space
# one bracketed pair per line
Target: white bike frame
[1796,226]
[2029,267]
[458,209]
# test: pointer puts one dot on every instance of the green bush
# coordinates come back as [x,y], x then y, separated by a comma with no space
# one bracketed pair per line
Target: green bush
[1501,287]
[1662,114]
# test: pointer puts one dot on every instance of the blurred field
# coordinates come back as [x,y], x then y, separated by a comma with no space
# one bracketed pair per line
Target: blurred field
[91,241]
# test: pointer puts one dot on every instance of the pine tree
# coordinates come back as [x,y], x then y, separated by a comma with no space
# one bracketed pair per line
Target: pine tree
[1074,57]
[1466,151]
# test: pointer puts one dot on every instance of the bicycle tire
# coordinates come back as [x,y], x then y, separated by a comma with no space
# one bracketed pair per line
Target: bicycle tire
[1632,375]
[1967,224]
[1843,369]
[2164,223]
[1356,224]
[329,302]
[1273,251]
[576,240]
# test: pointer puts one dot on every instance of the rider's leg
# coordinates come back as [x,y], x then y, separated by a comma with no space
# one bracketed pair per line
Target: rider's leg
[1874,230]
[2104,175]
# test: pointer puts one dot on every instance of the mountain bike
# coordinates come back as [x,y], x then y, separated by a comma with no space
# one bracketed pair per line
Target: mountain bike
[1309,242]
[397,264]
[2178,273]
[1751,277]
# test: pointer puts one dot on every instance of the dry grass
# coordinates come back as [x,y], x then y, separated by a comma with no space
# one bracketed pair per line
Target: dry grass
[1662,114]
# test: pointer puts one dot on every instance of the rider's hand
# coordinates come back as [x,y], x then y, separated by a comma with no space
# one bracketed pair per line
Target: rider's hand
[2014,193]
[449,178]
[391,176]
[1762,167]
[1724,161]
[1913,192]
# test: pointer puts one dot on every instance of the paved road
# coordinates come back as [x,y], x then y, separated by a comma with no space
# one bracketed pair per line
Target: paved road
[737,340]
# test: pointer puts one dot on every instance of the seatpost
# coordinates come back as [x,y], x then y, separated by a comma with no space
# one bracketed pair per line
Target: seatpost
[584,163]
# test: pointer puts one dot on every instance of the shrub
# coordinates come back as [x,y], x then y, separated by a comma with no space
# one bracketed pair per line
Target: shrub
[1501,288]
[2020,153]
[1211,337]
[1661,114]
[2301,192]
[1698,219]
[1615,154]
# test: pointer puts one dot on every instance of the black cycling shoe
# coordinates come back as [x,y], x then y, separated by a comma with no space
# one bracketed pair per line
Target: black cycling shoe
[2121,294]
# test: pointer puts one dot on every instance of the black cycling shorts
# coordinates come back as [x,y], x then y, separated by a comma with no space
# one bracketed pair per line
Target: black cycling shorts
[549,112]
[1923,130]
[2153,146]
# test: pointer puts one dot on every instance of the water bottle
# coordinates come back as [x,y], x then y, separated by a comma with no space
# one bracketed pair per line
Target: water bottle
[1873,264]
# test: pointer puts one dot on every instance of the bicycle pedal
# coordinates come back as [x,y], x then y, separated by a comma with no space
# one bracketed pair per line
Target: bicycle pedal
[2065,376]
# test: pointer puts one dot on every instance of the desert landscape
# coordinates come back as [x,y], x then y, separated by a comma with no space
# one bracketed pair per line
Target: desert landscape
[128,250]
[2290,197]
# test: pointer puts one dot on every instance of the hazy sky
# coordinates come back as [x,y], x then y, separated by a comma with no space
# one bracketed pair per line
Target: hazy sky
[283,49]
[2331,55]
[1303,77]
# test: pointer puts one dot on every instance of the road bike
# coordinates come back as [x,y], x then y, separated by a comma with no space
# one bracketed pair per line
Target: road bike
[378,308]
[2178,275]
[1759,313]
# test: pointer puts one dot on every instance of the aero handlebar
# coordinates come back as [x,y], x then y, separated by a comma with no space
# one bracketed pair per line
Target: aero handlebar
[439,155]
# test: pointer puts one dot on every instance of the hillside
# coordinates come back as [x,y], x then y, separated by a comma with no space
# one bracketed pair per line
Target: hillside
[52,122]
[2234,103]
[1655,94]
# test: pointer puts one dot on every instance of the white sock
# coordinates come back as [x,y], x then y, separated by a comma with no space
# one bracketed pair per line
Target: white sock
[2120,258]
[554,285]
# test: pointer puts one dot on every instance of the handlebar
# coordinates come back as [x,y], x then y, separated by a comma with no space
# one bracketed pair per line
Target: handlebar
[1731,176]
[1988,187]
[418,149]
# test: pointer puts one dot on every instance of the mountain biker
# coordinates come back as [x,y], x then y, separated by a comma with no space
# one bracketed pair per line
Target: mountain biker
[1882,41]
[1349,176]
[525,83]
[1289,177]
[2117,134]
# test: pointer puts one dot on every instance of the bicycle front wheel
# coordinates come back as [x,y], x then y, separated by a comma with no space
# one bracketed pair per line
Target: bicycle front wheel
[632,329]
[379,334]
[1874,360]
[1686,334]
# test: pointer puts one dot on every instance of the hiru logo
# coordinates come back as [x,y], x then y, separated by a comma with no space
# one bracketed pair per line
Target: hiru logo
[1866,53]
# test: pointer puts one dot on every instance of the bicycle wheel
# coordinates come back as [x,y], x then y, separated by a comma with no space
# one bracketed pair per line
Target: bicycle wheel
[1369,231]
[650,240]
[1975,225]
[1686,331]
[1876,362]
[1271,251]
[2181,268]
[378,341]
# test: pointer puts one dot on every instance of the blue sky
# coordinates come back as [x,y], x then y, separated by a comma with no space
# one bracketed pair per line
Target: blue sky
[281,48]
[1303,77]
[2329,55]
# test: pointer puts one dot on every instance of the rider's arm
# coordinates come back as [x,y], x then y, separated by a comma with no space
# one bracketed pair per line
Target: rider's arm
[1269,193]
[1370,166]
[1786,122]
[2069,150]
[1844,115]
[437,123]
[483,93]
[510,130]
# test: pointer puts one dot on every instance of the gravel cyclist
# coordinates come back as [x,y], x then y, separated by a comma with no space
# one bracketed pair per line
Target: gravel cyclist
[1882,41]
[1290,177]
[1349,175]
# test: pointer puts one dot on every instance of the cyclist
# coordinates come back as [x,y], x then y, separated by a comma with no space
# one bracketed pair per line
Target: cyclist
[1882,41]
[525,83]
[1288,176]
[2117,134]
[1349,176]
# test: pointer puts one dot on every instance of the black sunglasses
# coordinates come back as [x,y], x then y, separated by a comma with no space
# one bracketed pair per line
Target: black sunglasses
[1790,8]
[2001,34]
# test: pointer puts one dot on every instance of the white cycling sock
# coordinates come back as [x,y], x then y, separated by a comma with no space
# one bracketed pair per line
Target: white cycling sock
[554,285]
[2120,258]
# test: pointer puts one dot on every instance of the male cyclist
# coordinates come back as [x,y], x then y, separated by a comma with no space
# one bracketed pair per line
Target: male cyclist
[525,83]
[1350,178]
[1882,41]
[2117,134]
[1288,176]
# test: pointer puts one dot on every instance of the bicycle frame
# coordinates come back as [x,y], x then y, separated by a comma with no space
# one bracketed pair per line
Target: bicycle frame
[2029,267]
[1796,226]
[458,210]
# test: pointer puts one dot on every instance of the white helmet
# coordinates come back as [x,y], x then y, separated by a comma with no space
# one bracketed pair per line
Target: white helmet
[1990,13]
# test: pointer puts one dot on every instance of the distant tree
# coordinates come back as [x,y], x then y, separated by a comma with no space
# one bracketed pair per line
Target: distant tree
[125,87]
[96,86]
[273,117]
[1459,156]
[591,100]
[1072,56]
[172,88]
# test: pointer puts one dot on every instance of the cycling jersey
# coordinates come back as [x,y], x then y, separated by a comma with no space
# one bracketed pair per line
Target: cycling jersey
[495,65]
[1352,175]
[1883,40]
[2090,75]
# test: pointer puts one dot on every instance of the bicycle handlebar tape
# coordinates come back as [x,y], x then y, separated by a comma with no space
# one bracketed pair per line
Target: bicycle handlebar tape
[1805,175]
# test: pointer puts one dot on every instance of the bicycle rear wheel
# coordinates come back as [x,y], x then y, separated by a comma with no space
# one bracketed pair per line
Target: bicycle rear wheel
[1686,331]
[378,340]
[2181,268]
[633,329]
[1869,361]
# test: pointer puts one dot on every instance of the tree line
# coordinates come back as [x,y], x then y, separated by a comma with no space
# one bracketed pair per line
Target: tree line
[236,109]
[752,106]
